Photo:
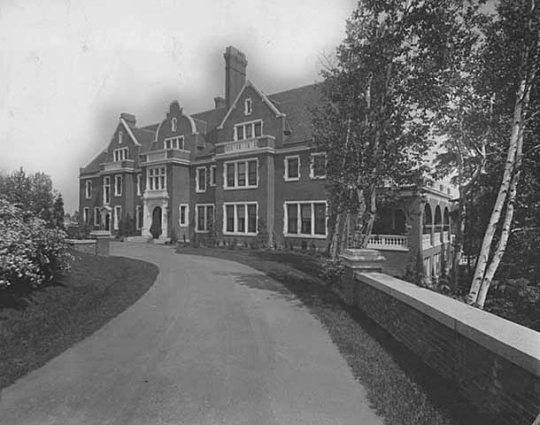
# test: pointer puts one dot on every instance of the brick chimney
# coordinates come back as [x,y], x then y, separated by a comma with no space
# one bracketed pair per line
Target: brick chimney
[219,102]
[235,73]
[129,119]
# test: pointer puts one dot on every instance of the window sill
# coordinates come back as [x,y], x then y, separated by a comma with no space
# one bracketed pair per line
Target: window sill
[241,188]
[295,179]
[301,235]
[238,234]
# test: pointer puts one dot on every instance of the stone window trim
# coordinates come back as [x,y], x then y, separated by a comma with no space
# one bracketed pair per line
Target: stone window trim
[200,180]
[138,221]
[120,137]
[174,124]
[248,130]
[118,185]
[185,215]
[213,175]
[312,169]
[156,178]
[248,106]
[287,173]
[120,154]
[299,233]
[237,206]
[139,184]
[88,189]
[117,217]
[205,208]
[174,143]
[86,215]
[106,190]
[248,179]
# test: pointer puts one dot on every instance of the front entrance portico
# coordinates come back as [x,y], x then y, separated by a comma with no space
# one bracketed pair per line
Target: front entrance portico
[155,202]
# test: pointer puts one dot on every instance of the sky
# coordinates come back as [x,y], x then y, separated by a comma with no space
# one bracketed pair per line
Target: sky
[68,68]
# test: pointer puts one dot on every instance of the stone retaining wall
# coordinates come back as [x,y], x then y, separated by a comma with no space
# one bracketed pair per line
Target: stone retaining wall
[87,246]
[495,362]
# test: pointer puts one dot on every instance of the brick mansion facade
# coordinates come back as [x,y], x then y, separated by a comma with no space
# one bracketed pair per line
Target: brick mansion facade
[248,166]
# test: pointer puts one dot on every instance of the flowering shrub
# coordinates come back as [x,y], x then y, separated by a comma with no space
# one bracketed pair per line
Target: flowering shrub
[30,252]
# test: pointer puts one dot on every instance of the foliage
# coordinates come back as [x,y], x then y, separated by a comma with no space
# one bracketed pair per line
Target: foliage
[31,253]
[126,226]
[262,240]
[58,212]
[333,270]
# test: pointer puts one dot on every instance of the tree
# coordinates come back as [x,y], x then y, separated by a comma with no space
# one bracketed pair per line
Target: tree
[378,102]
[58,212]
[511,62]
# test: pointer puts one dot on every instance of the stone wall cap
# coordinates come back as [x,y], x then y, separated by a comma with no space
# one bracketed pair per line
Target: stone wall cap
[80,241]
[100,233]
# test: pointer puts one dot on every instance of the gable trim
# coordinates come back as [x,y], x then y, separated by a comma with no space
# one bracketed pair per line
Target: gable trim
[126,126]
[263,97]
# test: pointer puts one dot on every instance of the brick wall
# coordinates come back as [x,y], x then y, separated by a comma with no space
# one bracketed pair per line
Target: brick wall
[495,363]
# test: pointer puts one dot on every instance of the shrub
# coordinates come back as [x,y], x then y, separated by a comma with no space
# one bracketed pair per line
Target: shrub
[31,253]
[332,271]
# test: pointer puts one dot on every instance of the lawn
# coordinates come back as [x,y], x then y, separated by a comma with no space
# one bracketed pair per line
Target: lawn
[400,387]
[37,326]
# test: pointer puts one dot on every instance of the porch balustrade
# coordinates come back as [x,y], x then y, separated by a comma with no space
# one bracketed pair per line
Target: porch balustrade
[388,242]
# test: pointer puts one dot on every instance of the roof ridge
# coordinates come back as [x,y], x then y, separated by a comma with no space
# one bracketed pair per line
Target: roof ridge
[295,89]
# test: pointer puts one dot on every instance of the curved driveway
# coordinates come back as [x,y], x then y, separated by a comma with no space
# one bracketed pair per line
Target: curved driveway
[207,344]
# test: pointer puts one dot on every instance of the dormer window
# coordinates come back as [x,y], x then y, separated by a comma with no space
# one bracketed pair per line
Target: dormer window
[120,137]
[174,143]
[248,104]
[174,124]
[120,154]
[248,130]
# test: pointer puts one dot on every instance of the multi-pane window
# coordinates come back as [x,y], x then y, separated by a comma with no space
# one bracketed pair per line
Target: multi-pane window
[139,184]
[240,218]
[248,130]
[174,143]
[213,178]
[156,178]
[106,190]
[204,217]
[96,216]
[88,189]
[120,154]
[318,165]
[117,216]
[248,107]
[292,168]
[183,215]
[86,215]
[200,176]
[305,218]
[118,185]
[241,174]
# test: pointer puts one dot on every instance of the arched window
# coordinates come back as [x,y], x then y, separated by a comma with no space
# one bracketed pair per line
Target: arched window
[120,137]
[174,124]
[428,219]
[438,219]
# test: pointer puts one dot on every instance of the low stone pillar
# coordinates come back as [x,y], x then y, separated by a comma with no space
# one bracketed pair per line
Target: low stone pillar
[103,238]
[354,260]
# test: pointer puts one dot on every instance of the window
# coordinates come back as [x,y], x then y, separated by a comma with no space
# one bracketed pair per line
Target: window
[318,166]
[240,218]
[204,217]
[200,176]
[156,179]
[138,217]
[241,174]
[96,216]
[174,123]
[88,189]
[213,177]
[174,143]
[117,185]
[305,219]
[120,154]
[139,184]
[292,168]
[117,217]
[120,137]
[248,130]
[183,216]
[86,215]
[248,105]
[106,190]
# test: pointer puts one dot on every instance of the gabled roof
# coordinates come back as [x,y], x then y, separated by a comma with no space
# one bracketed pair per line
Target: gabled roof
[296,105]
[93,167]
[144,137]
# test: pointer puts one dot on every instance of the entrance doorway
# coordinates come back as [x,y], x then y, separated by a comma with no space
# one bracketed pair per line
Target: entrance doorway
[155,228]
[108,222]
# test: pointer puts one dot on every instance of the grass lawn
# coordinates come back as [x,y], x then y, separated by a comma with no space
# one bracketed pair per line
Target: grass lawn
[37,326]
[400,387]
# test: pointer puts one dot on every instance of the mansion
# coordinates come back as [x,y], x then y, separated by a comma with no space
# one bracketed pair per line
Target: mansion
[247,167]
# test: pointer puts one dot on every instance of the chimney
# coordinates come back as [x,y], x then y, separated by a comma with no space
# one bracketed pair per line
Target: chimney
[220,102]
[128,118]
[235,73]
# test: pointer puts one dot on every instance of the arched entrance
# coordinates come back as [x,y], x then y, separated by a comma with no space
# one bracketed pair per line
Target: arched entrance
[155,228]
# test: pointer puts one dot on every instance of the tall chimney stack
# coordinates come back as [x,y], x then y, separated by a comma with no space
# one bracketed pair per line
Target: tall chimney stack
[235,73]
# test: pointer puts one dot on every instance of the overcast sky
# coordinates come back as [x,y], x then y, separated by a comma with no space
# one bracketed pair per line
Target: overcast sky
[68,68]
